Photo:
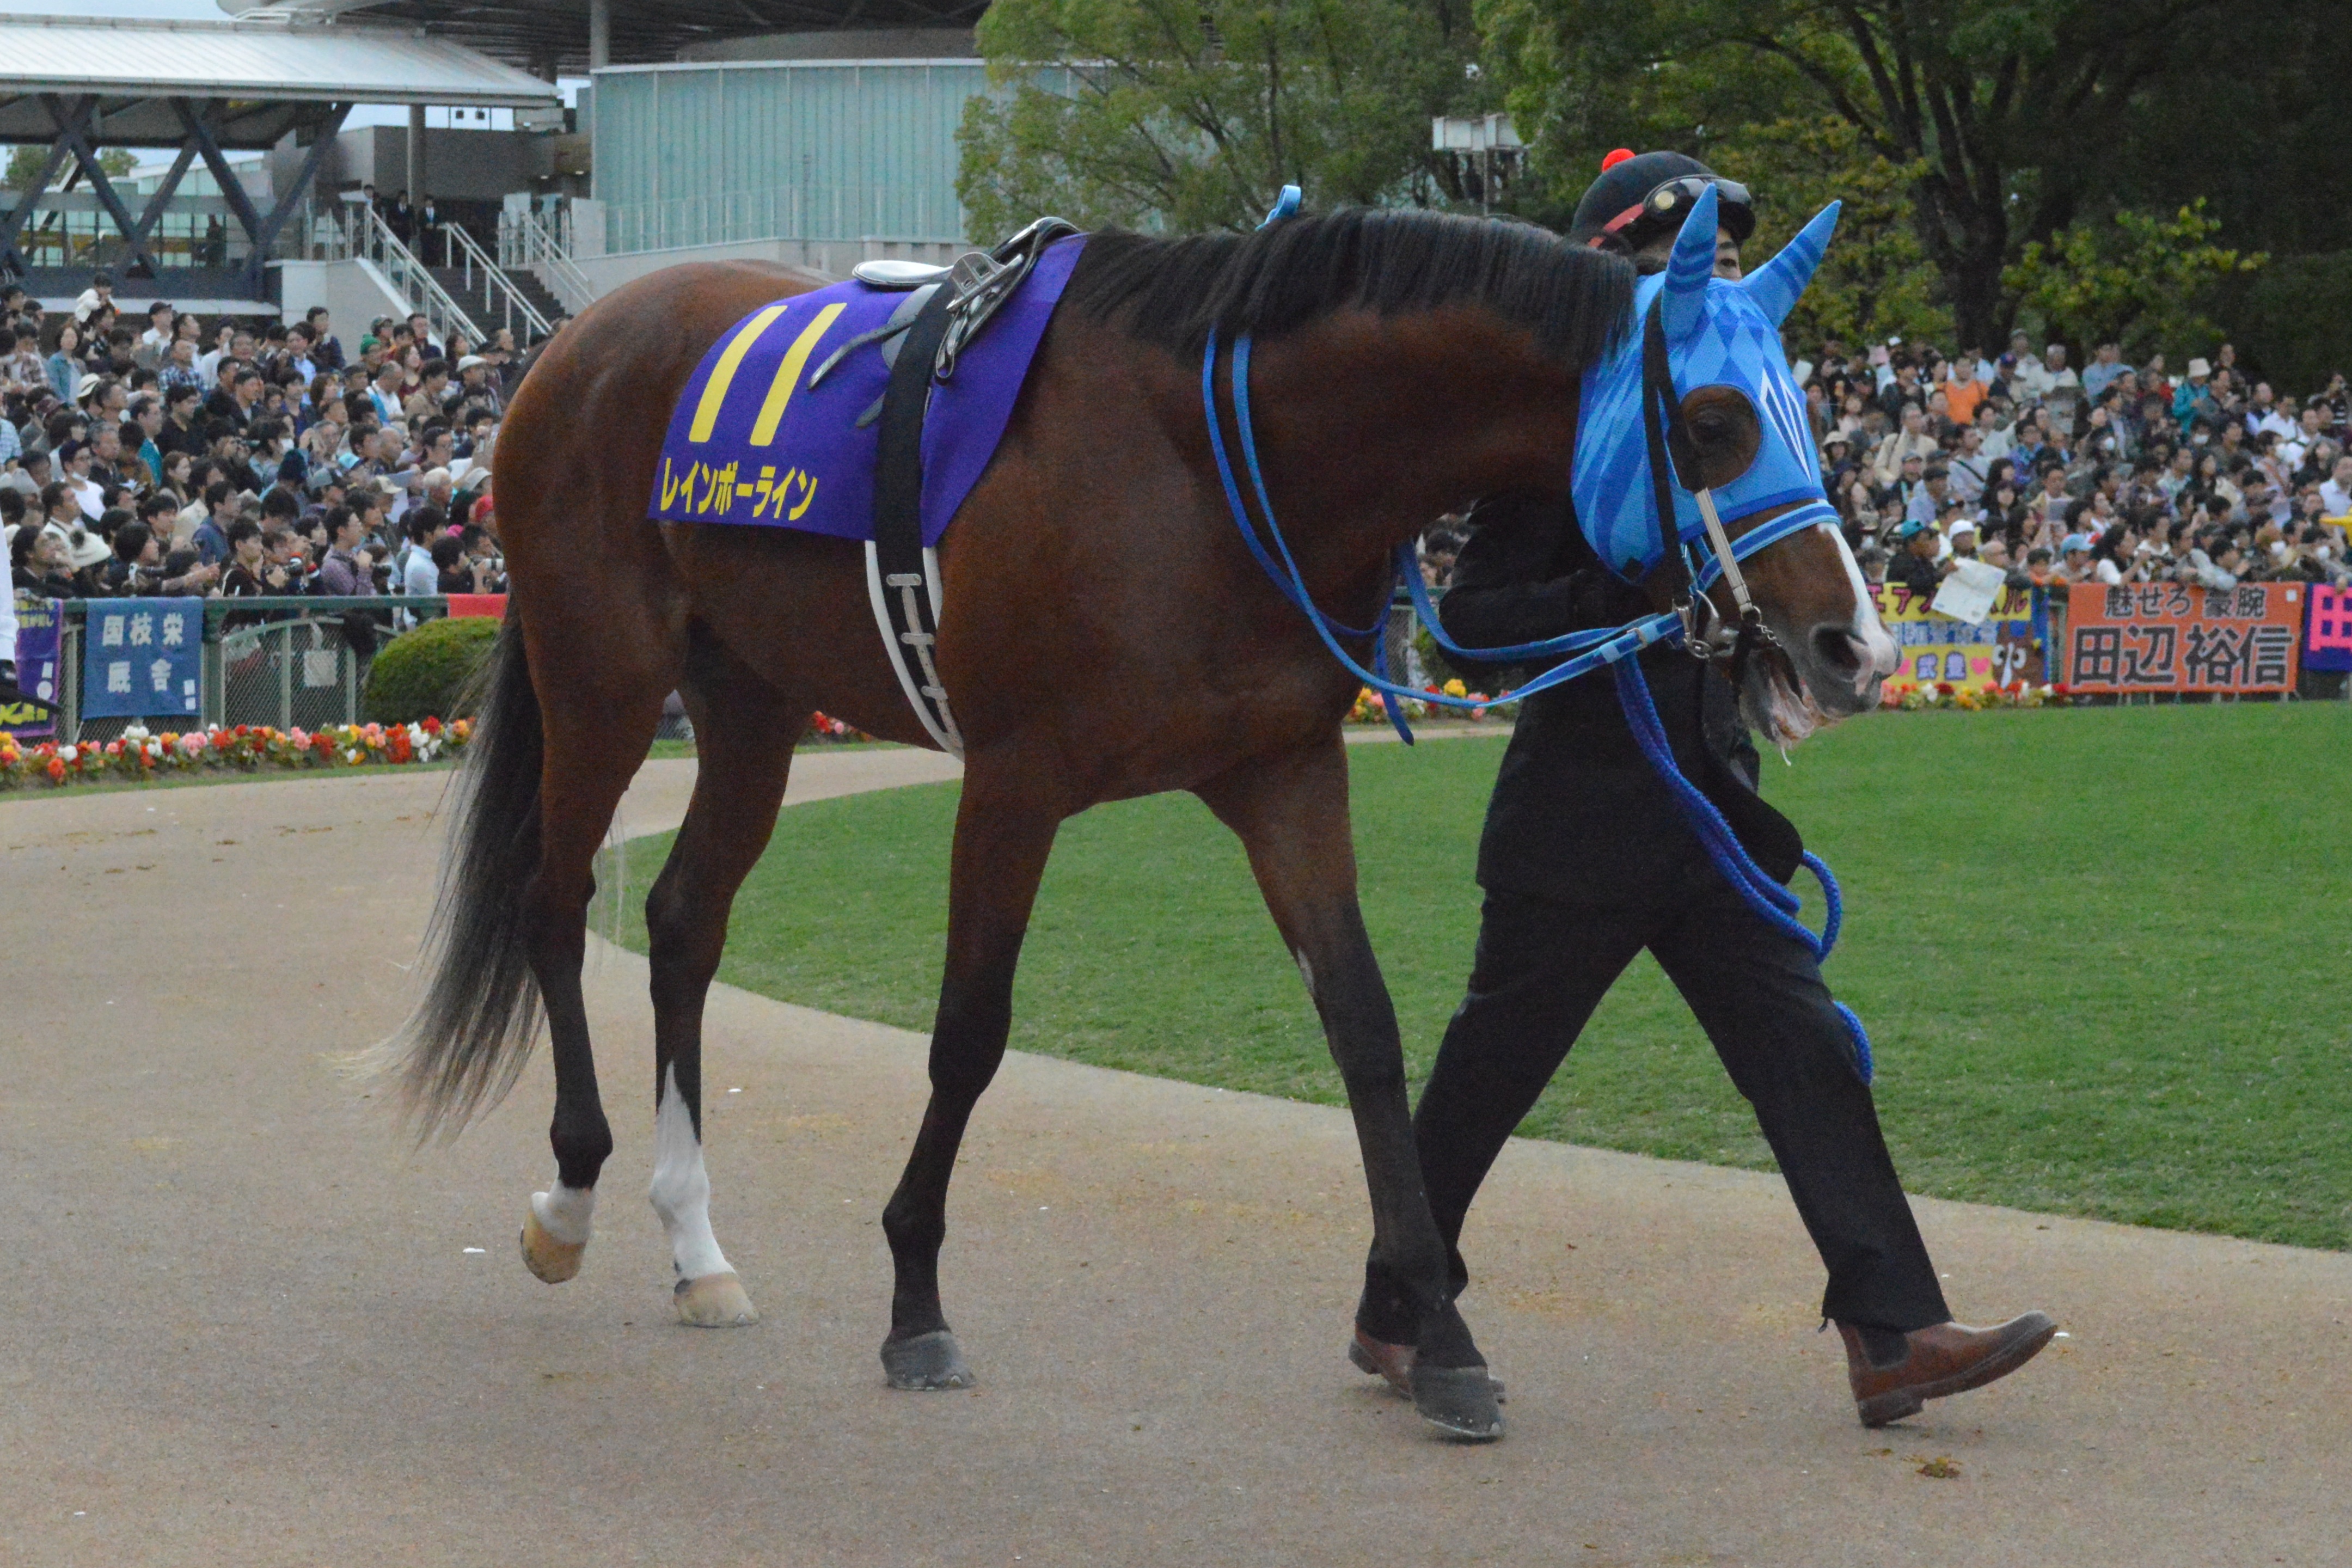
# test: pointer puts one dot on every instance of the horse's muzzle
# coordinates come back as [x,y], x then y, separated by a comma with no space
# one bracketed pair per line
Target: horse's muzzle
[1844,664]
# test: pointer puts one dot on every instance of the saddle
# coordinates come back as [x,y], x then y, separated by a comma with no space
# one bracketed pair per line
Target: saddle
[945,310]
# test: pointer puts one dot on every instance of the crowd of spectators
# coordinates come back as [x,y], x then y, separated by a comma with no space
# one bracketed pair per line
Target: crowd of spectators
[160,453]
[2115,473]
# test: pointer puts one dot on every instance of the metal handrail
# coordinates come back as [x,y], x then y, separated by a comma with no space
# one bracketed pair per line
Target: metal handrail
[219,609]
[524,241]
[512,301]
[379,244]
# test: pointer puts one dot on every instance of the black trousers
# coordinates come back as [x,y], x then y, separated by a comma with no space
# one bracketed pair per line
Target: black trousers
[1542,967]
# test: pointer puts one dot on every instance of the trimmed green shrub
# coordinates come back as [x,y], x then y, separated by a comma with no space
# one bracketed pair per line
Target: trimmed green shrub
[427,672]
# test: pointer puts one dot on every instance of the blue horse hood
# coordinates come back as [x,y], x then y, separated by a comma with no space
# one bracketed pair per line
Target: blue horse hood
[1730,336]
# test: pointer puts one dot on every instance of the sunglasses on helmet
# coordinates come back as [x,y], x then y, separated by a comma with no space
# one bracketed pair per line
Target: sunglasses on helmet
[1670,202]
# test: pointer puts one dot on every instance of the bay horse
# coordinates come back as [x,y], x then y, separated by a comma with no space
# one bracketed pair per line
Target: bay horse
[1105,634]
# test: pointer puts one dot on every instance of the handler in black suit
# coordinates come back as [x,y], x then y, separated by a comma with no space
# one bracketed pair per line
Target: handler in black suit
[1586,861]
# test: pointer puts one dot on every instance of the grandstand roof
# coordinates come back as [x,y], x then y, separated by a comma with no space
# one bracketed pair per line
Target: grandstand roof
[268,75]
[539,32]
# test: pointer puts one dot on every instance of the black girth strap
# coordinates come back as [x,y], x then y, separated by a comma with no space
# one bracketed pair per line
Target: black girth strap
[899,574]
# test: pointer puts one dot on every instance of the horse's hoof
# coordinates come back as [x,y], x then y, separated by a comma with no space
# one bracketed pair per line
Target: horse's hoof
[1459,1401]
[926,1362]
[552,1260]
[714,1301]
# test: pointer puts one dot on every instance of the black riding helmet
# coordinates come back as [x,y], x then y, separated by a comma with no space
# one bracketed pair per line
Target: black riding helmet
[1639,197]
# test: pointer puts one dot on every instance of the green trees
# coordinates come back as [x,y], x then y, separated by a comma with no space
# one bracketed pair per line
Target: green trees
[26,159]
[1193,114]
[2000,159]
[2133,278]
[1994,111]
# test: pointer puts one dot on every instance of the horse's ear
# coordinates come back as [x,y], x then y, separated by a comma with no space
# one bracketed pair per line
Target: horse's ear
[1689,267]
[1776,285]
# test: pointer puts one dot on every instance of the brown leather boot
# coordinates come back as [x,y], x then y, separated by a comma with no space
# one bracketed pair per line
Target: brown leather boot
[1949,1358]
[1393,1363]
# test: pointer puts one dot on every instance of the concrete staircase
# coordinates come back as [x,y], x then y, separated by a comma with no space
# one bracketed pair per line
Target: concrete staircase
[493,315]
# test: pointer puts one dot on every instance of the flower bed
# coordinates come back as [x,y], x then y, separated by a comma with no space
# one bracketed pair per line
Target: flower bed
[1368,709]
[1914,696]
[139,754]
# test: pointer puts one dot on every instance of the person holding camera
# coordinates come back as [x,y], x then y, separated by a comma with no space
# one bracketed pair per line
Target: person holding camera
[349,570]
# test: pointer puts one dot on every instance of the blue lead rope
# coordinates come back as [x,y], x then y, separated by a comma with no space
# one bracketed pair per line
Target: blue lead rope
[1585,652]
[1774,903]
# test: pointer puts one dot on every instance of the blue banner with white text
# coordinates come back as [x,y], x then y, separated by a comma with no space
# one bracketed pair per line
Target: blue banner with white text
[142,659]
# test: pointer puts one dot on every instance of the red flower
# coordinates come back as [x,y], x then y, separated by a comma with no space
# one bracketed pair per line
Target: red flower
[431,726]
[1944,689]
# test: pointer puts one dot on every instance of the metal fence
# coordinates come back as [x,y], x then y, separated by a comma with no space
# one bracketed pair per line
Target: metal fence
[287,662]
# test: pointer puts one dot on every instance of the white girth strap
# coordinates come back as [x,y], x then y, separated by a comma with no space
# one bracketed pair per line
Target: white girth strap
[918,676]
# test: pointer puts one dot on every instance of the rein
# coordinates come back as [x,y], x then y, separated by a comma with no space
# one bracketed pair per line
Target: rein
[1584,651]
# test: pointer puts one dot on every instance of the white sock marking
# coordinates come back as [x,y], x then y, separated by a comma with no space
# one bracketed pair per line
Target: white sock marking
[565,1214]
[681,1188]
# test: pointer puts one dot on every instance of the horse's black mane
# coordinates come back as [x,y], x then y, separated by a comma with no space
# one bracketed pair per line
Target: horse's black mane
[1386,261]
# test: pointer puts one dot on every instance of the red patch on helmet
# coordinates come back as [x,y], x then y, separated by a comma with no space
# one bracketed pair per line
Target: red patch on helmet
[1616,156]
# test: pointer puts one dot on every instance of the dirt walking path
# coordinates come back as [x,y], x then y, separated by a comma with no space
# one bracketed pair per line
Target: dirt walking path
[241,1323]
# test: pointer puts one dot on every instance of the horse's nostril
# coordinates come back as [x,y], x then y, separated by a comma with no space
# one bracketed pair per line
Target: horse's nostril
[1837,649]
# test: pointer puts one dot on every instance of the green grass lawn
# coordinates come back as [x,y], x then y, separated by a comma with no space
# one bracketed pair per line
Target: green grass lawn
[2106,954]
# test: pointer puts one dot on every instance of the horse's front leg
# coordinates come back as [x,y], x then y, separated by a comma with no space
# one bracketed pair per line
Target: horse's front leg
[1291,813]
[1005,823]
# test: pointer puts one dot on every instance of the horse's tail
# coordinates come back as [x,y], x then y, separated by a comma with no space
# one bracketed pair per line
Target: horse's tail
[464,1046]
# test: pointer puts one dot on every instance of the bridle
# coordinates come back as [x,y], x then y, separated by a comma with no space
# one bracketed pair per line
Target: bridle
[1693,619]
[1704,633]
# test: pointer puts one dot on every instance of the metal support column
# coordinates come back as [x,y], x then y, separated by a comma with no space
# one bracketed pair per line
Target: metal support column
[161,199]
[296,191]
[415,157]
[232,189]
[73,122]
[600,34]
[12,223]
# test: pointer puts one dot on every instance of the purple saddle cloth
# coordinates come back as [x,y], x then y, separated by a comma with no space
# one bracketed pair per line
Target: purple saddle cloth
[751,442]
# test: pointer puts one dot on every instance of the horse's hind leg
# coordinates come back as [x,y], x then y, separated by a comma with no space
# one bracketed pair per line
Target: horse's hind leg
[1004,831]
[600,702]
[744,730]
[1291,813]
